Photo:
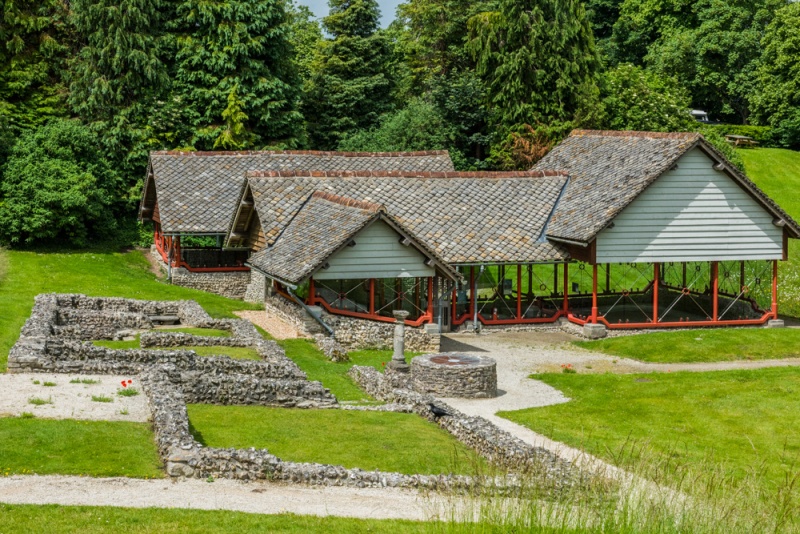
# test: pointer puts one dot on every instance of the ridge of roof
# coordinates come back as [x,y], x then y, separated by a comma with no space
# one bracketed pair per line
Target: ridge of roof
[406,174]
[637,134]
[348,202]
[208,153]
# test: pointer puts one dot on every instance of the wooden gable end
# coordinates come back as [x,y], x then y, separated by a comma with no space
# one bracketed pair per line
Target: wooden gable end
[693,212]
[377,253]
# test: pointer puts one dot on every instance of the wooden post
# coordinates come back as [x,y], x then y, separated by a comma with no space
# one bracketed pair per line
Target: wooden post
[741,275]
[684,275]
[594,293]
[519,292]
[555,279]
[566,288]
[715,289]
[372,296]
[311,291]
[454,306]
[608,278]
[656,276]
[775,289]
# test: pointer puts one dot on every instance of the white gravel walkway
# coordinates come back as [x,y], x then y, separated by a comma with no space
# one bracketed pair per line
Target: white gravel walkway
[71,400]
[253,497]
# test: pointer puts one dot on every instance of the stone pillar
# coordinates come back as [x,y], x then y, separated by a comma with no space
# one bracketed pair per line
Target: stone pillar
[398,362]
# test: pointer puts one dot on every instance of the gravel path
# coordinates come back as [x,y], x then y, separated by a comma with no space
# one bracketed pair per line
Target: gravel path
[275,326]
[253,497]
[66,400]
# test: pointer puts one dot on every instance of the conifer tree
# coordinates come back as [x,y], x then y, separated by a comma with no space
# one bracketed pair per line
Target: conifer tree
[350,86]
[241,44]
[539,61]
[34,43]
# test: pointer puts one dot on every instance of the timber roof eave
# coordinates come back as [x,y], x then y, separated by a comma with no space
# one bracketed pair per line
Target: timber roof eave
[234,222]
[731,170]
[149,181]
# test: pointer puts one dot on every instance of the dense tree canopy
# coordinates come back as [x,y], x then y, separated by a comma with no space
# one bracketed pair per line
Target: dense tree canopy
[351,82]
[538,59]
[495,82]
[241,45]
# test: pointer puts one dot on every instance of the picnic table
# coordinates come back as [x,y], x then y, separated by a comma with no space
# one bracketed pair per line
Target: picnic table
[741,140]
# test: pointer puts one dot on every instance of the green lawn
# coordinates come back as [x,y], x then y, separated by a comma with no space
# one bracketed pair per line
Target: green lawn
[334,375]
[777,172]
[718,345]
[70,447]
[737,419]
[29,519]
[213,332]
[387,441]
[97,273]
[237,353]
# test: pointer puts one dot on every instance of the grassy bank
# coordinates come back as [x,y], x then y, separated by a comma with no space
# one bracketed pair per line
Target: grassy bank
[733,420]
[720,345]
[777,172]
[395,442]
[334,375]
[70,447]
[95,273]
[24,519]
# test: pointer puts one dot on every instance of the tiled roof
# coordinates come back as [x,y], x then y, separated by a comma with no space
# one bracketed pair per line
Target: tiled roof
[323,225]
[609,169]
[463,217]
[197,191]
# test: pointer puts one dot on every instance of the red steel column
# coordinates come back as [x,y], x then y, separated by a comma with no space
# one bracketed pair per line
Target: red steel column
[566,288]
[656,276]
[472,291]
[519,292]
[311,291]
[775,289]
[594,293]
[715,286]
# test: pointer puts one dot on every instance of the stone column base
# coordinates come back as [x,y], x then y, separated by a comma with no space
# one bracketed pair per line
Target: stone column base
[776,323]
[595,331]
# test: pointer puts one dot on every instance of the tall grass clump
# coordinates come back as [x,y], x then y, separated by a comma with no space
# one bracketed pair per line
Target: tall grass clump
[657,493]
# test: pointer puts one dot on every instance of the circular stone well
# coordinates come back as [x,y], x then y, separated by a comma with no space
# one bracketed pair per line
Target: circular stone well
[454,374]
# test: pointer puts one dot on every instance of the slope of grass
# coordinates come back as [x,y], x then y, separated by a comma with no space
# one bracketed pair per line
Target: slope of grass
[395,442]
[702,345]
[737,419]
[94,273]
[237,353]
[777,172]
[334,375]
[30,519]
[70,447]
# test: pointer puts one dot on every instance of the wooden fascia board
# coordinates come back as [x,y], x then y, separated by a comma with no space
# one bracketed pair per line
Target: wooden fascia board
[234,224]
[149,182]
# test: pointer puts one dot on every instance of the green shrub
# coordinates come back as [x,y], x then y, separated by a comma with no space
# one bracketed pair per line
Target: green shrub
[787,134]
[763,134]
[58,187]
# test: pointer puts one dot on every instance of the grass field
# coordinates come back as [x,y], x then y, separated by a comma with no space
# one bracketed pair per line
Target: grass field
[394,442]
[777,172]
[334,375]
[237,353]
[70,447]
[735,419]
[708,345]
[27,519]
[100,273]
